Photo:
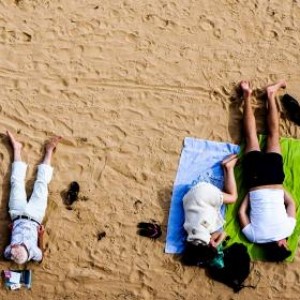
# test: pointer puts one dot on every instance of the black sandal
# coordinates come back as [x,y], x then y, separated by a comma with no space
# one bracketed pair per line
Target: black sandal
[72,193]
[150,230]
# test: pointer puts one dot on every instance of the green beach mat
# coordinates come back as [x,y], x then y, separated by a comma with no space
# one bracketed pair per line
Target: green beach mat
[291,156]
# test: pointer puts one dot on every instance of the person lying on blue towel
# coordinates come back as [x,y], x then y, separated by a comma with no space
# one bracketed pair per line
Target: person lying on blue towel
[203,219]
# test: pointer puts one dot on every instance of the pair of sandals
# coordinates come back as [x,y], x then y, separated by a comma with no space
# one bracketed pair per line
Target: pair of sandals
[292,107]
[150,230]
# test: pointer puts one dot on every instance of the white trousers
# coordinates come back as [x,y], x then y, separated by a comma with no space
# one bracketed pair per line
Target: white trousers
[35,208]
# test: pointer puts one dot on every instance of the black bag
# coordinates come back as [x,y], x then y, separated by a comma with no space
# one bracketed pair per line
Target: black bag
[236,267]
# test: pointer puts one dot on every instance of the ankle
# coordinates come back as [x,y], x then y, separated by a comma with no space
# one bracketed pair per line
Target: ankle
[17,154]
[49,151]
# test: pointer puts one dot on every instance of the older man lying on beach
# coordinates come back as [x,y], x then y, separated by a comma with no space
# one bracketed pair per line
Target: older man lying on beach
[27,231]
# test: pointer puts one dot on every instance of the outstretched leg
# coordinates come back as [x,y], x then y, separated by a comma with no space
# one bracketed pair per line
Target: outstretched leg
[50,148]
[249,124]
[273,144]
[17,146]
[37,204]
[17,198]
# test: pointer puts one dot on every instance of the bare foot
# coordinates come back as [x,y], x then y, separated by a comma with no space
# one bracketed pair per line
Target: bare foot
[16,145]
[52,143]
[245,86]
[273,88]
[230,161]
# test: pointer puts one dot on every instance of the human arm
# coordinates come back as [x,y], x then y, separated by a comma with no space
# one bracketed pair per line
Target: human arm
[243,212]
[38,251]
[289,205]
[230,190]
[7,251]
[10,226]
[41,230]
[229,198]
[217,238]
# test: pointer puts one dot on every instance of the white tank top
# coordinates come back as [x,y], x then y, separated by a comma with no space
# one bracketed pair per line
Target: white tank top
[268,216]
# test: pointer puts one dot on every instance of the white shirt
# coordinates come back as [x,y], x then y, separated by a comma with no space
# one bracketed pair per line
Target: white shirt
[202,211]
[268,216]
[25,232]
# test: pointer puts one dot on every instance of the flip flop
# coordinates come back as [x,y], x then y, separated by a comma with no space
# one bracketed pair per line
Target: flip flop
[72,193]
[292,107]
[150,230]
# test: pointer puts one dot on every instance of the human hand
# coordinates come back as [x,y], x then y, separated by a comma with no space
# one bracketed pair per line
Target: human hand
[213,243]
[217,238]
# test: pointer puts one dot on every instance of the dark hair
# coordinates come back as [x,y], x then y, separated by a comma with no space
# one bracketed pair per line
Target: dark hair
[236,267]
[274,252]
[198,255]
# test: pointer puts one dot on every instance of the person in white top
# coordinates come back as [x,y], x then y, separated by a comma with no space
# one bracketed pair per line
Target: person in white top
[27,216]
[267,213]
[203,218]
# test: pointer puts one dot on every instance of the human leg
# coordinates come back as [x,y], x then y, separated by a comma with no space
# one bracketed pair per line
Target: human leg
[37,204]
[273,144]
[249,124]
[50,148]
[17,198]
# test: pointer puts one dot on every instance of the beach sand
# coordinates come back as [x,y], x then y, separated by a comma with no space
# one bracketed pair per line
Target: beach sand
[124,82]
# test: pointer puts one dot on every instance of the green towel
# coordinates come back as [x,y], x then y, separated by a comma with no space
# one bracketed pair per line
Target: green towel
[291,156]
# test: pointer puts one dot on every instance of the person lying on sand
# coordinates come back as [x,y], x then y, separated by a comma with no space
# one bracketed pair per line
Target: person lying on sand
[27,231]
[203,218]
[267,213]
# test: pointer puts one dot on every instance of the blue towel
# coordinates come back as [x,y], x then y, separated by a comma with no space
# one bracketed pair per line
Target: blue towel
[199,161]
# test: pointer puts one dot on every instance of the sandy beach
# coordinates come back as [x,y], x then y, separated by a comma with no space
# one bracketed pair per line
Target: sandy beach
[124,82]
